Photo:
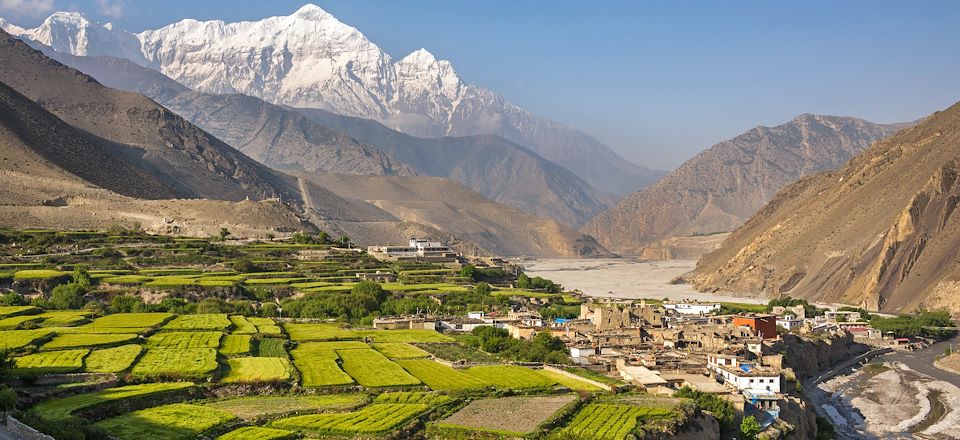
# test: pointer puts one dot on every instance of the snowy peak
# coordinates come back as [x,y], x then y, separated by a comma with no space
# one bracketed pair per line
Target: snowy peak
[419,57]
[73,33]
[311,11]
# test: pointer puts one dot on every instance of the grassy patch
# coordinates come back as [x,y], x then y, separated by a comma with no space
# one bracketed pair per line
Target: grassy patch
[241,326]
[510,377]
[13,339]
[130,320]
[112,360]
[319,368]
[179,363]
[63,317]
[7,311]
[14,322]
[330,332]
[38,274]
[372,419]
[272,347]
[371,369]
[78,340]
[257,369]
[168,422]
[185,340]
[256,433]
[62,408]
[569,382]
[441,377]
[63,361]
[232,345]
[254,407]
[400,350]
[208,321]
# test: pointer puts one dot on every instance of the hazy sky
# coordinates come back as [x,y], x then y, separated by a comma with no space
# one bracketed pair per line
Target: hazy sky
[657,81]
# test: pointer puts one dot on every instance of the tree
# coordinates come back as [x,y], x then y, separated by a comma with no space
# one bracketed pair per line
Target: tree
[370,288]
[323,237]
[245,265]
[523,281]
[344,241]
[211,305]
[67,296]
[124,303]
[81,277]
[482,288]
[224,233]
[13,299]
[468,271]
[268,310]
[749,428]
[8,401]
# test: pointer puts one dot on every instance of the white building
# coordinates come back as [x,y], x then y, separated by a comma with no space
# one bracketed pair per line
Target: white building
[686,308]
[417,248]
[581,352]
[789,322]
[748,377]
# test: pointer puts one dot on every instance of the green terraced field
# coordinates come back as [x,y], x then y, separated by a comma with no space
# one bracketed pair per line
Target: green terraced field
[179,421]
[400,350]
[185,340]
[62,408]
[7,311]
[63,361]
[175,362]
[569,382]
[271,347]
[77,340]
[422,397]
[232,345]
[254,407]
[63,317]
[14,322]
[210,321]
[13,339]
[242,326]
[130,320]
[112,360]
[372,369]
[441,377]
[319,368]
[38,274]
[256,433]
[609,421]
[372,419]
[329,332]
[510,377]
[257,369]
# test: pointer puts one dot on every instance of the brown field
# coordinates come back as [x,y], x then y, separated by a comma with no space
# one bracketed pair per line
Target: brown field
[518,414]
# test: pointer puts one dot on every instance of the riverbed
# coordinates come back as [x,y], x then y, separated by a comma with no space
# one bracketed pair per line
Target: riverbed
[627,278]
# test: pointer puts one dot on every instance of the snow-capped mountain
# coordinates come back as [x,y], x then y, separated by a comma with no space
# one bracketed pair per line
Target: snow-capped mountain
[311,59]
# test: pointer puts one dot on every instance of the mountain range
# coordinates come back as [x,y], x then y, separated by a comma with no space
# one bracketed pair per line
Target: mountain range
[311,60]
[882,231]
[720,188]
[80,155]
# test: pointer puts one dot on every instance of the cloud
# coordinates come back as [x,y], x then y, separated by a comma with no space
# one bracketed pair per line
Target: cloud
[112,9]
[26,8]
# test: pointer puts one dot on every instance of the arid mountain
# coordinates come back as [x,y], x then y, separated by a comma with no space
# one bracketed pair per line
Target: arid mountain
[311,140]
[272,135]
[146,135]
[881,232]
[454,210]
[490,165]
[720,188]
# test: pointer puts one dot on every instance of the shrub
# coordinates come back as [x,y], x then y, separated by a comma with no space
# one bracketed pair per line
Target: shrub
[749,428]
[68,296]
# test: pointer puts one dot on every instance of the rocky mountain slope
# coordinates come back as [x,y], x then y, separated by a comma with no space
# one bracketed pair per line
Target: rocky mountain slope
[456,212]
[490,165]
[189,161]
[880,232]
[720,188]
[311,59]
[311,140]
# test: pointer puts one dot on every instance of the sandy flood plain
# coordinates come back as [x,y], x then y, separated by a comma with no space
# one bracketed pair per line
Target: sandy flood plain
[890,400]
[627,278]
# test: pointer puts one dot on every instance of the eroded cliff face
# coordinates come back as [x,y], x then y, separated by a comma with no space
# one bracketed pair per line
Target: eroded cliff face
[881,232]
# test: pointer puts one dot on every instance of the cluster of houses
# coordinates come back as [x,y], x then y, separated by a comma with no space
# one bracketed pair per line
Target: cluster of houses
[417,249]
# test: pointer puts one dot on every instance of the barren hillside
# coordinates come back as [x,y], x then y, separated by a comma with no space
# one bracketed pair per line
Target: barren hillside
[720,188]
[881,231]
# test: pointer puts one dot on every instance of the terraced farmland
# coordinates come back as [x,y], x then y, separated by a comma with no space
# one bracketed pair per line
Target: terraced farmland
[112,360]
[371,369]
[88,340]
[441,377]
[62,408]
[332,332]
[372,419]
[264,406]
[232,345]
[510,377]
[209,321]
[63,361]
[176,363]
[400,350]
[179,421]
[257,369]
[256,433]
[185,340]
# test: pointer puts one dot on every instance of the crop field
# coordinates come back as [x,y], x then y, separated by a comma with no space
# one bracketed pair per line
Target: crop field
[126,279]
[271,347]
[6,311]
[15,322]
[400,350]
[569,382]
[232,345]
[421,397]
[131,320]
[175,362]
[371,369]
[518,415]
[372,419]
[185,340]
[327,348]
[63,361]
[319,371]
[248,408]
[209,321]
[257,369]
[265,326]
[397,287]
[179,421]
[451,351]
[112,360]
[256,433]
[605,421]
[510,377]
[62,408]
[63,317]
[38,274]
[12,339]
[76,340]
[241,326]
[330,332]
[441,377]
[523,293]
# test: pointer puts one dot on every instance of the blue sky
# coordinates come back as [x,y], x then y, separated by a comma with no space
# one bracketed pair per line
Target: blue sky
[657,81]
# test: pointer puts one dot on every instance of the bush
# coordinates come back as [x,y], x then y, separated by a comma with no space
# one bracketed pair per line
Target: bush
[13,299]
[542,348]
[721,408]
[825,429]
[749,428]
[68,296]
